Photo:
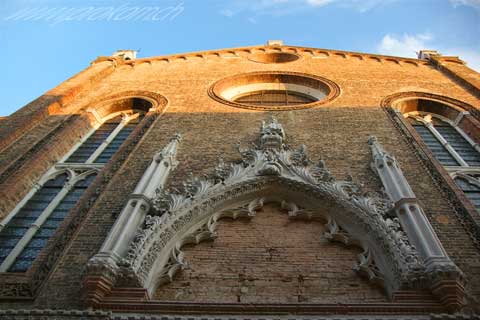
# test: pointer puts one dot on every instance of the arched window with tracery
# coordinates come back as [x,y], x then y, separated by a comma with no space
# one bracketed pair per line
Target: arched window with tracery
[27,229]
[438,125]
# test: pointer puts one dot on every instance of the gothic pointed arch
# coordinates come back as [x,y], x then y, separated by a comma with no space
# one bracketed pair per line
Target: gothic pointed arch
[155,254]
[146,252]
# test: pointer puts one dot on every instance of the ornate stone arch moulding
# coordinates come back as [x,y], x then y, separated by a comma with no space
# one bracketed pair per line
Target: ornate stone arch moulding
[271,171]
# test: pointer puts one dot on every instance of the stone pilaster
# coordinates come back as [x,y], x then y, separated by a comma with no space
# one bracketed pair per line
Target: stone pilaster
[103,267]
[445,278]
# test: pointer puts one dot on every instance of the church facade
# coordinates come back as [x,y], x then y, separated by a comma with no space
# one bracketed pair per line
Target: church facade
[262,182]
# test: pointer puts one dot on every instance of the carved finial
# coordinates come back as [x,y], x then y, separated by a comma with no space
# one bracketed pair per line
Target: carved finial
[372,140]
[170,149]
[177,137]
[272,135]
[377,148]
[321,164]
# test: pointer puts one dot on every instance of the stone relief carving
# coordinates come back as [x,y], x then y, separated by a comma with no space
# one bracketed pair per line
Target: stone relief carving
[268,162]
[297,212]
[335,233]
[205,232]
[368,268]
[270,171]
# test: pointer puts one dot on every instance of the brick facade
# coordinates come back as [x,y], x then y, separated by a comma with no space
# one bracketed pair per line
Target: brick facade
[268,260]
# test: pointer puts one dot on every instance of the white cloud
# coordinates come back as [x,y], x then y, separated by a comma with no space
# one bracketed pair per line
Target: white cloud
[405,46]
[408,46]
[468,3]
[319,3]
[227,13]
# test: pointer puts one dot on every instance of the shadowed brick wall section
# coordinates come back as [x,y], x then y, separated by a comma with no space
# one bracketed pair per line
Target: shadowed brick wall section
[336,132]
[270,259]
[20,172]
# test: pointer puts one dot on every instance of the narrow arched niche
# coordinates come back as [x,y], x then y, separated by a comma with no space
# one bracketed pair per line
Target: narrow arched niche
[270,259]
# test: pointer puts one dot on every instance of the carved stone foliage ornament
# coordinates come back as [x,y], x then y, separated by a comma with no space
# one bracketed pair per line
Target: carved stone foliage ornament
[271,171]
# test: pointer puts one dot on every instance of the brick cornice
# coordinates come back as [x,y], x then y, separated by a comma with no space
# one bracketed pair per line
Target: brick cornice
[242,51]
[455,69]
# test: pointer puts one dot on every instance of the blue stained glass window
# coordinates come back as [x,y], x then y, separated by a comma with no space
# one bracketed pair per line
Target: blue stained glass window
[115,144]
[463,148]
[18,225]
[459,144]
[438,150]
[88,147]
[50,225]
[13,232]
[471,190]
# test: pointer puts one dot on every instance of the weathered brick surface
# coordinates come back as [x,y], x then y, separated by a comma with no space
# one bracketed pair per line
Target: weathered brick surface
[270,259]
[336,132]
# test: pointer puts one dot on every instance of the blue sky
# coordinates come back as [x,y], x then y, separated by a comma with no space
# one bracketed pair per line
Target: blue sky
[45,42]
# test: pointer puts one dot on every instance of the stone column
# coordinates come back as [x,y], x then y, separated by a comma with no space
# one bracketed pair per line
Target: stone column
[439,267]
[134,212]
[102,268]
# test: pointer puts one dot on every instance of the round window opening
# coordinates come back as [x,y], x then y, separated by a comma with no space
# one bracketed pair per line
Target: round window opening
[274,91]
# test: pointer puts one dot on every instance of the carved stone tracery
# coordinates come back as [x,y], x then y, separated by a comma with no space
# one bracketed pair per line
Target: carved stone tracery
[271,171]
[190,216]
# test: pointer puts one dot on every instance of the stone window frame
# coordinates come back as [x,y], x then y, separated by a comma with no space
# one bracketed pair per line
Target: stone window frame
[21,286]
[462,208]
[463,170]
[297,83]
[76,172]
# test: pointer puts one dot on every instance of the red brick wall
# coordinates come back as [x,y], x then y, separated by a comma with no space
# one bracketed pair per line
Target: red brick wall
[336,132]
[270,259]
